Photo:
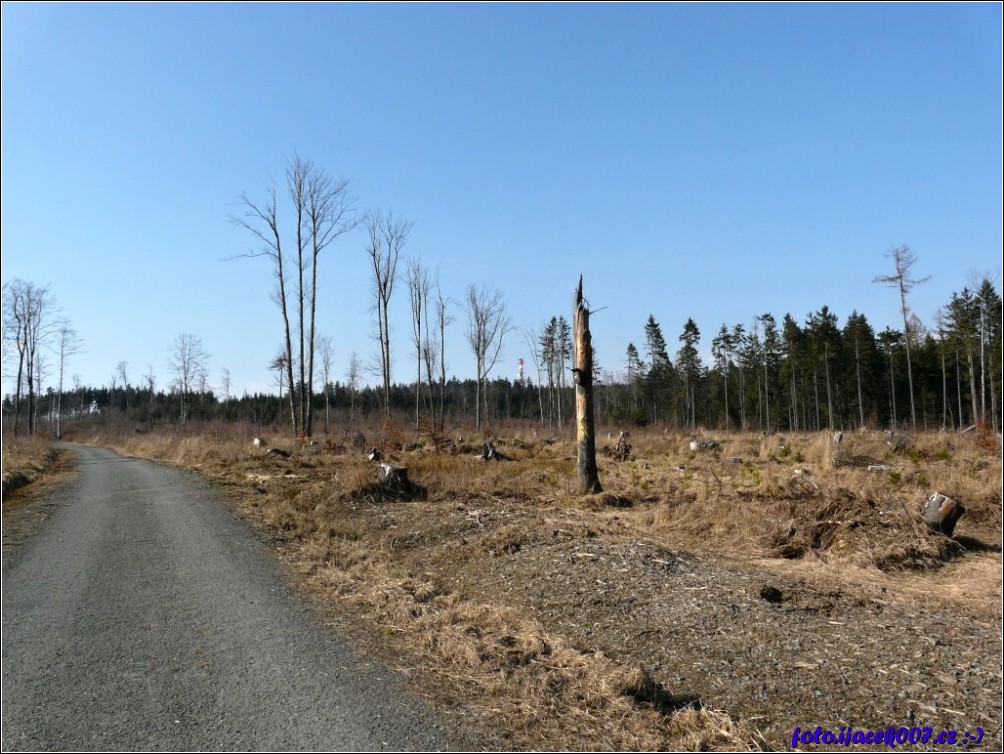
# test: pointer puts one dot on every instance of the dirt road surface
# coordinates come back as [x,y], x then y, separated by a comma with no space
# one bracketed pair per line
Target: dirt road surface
[144,615]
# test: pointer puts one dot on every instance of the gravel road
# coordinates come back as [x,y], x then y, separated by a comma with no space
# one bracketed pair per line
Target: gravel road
[144,615]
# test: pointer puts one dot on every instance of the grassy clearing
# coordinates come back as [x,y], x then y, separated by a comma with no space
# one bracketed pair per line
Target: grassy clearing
[433,573]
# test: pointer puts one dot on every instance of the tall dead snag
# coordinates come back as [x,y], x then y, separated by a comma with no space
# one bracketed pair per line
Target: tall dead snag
[582,373]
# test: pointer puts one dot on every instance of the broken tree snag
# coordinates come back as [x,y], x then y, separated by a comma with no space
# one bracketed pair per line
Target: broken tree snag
[942,513]
[582,375]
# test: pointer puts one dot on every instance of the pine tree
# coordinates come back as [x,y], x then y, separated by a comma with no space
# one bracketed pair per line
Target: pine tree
[660,373]
[688,362]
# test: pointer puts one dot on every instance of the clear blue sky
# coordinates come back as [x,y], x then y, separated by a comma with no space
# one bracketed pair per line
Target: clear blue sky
[705,161]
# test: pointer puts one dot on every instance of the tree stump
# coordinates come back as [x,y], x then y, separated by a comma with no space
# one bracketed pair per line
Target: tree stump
[942,513]
[394,477]
[696,445]
[622,451]
[375,455]
[490,453]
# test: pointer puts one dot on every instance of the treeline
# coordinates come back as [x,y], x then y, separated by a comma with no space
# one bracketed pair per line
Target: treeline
[335,408]
[768,376]
[819,374]
[765,375]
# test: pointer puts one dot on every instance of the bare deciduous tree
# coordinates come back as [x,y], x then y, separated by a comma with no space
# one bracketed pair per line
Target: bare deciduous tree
[67,344]
[487,325]
[323,211]
[531,338]
[331,213]
[327,357]
[443,319]
[903,260]
[29,321]
[188,363]
[352,381]
[418,295]
[225,384]
[387,237]
[151,383]
[122,376]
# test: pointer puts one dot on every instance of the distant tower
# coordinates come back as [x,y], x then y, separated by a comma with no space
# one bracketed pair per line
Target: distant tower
[520,377]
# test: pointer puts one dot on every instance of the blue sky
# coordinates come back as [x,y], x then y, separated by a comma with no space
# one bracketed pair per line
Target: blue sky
[712,162]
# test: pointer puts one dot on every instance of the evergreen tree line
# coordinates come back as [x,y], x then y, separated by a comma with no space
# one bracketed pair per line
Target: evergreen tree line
[765,376]
[792,376]
[337,407]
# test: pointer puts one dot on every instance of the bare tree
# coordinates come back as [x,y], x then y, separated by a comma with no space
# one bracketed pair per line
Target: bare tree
[323,211]
[225,384]
[387,237]
[443,319]
[202,380]
[531,337]
[418,295]
[327,356]
[188,362]
[331,213]
[430,353]
[150,379]
[487,325]
[903,261]
[352,380]
[122,376]
[78,390]
[67,345]
[262,220]
[29,321]
[41,373]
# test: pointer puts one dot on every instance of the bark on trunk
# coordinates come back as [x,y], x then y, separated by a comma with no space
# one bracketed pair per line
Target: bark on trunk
[589,477]
[942,513]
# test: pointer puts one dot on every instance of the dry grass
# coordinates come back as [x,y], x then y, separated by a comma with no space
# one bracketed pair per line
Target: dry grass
[784,496]
[31,468]
[426,572]
[25,459]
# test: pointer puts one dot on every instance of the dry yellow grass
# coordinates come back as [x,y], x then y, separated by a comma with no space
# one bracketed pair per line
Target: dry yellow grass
[421,571]
[24,460]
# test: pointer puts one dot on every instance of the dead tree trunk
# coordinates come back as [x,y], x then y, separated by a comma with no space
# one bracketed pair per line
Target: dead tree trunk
[589,476]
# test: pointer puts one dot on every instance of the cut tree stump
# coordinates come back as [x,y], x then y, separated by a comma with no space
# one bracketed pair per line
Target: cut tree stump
[622,452]
[942,513]
[490,453]
[393,476]
[696,445]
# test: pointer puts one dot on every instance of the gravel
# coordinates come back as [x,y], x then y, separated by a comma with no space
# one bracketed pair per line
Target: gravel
[143,615]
